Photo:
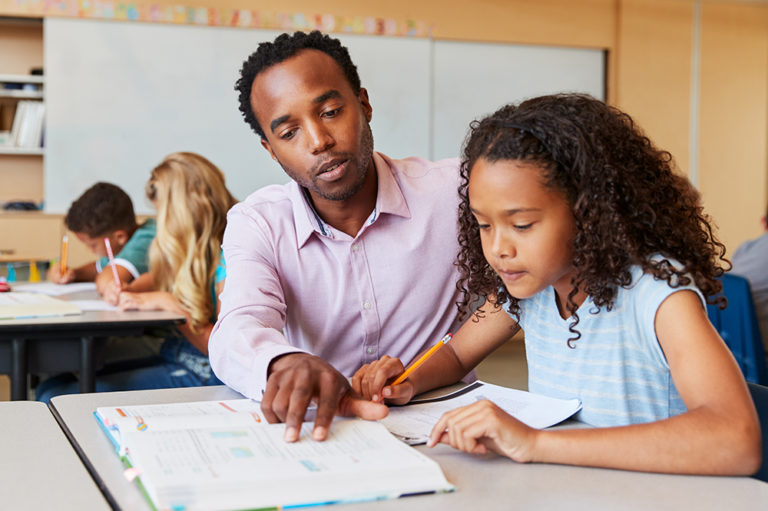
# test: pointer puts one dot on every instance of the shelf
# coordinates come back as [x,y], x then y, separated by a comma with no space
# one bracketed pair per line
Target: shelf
[21,94]
[22,78]
[23,151]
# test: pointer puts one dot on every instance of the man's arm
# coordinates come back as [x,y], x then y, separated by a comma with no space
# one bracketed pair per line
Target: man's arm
[248,350]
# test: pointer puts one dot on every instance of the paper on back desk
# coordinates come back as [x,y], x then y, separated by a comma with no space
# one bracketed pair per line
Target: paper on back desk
[51,289]
[413,423]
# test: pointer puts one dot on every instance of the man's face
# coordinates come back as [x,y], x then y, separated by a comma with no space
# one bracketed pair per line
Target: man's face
[316,127]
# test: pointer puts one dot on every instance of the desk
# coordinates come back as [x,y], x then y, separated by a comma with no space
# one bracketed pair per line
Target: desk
[488,482]
[39,469]
[47,343]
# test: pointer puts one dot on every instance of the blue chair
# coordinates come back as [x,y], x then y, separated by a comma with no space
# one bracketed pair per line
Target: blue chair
[760,397]
[738,326]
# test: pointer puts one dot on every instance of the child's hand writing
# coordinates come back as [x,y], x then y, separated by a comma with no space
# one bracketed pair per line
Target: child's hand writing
[483,426]
[155,300]
[57,277]
[110,292]
[370,381]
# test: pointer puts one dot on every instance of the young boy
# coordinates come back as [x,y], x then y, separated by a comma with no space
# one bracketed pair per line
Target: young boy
[106,211]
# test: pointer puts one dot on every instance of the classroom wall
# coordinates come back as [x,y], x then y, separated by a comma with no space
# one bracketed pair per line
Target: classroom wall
[692,73]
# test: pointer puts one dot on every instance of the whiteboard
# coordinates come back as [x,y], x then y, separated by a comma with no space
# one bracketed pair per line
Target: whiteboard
[122,95]
[475,79]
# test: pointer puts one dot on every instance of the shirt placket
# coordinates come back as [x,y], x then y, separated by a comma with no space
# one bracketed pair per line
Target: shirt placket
[367,301]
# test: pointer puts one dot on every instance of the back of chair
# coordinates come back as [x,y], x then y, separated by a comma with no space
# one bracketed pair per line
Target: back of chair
[739,328]
[760,397]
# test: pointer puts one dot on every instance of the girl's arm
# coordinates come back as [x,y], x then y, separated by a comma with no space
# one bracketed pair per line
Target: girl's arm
[163,300]
[719,434]
[475,340]
[145,282]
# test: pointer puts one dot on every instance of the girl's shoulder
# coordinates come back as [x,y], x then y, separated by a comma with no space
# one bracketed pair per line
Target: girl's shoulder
[651,290]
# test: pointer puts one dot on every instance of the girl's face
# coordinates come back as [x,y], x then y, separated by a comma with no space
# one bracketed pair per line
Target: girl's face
[526,228]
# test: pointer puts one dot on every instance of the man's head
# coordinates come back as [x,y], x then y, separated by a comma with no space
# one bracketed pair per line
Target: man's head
[102,211]
[284,47]
[302,95]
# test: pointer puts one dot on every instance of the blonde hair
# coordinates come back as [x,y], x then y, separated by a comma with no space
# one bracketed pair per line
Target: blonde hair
[192,201]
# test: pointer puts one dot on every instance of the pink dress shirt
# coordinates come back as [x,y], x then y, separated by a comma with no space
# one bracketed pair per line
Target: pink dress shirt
[295,284]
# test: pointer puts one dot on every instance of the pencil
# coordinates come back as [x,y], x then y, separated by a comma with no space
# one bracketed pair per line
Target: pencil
[400,379]
[112,261]
[64,244]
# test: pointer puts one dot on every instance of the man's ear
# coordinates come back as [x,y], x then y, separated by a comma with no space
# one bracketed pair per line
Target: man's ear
[265,145]
[366,104]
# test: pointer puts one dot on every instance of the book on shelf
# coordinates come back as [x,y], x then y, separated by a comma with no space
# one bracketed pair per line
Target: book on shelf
[28,123]
[214,455]
[19,305]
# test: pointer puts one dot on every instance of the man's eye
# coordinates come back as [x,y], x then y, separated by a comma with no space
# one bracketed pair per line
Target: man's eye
[288,134]
[332,113]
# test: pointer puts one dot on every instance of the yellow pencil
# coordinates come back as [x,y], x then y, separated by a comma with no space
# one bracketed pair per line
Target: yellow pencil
[400,379]
[64,244]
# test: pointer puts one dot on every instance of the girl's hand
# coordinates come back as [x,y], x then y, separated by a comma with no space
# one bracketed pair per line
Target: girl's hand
[143,301]
[483,426]
[370,381]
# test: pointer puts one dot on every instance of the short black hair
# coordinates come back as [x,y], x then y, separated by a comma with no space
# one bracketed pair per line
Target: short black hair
[101,210]
[284,47]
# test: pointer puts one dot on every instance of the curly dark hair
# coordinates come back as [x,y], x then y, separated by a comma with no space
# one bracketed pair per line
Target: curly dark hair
[101,210]
[627,201]
[284,47]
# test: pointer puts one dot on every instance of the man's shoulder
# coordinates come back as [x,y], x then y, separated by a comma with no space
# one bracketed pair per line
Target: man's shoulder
[416,166]
[266,201]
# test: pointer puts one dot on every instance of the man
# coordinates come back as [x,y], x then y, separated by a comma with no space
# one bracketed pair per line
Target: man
[350,261]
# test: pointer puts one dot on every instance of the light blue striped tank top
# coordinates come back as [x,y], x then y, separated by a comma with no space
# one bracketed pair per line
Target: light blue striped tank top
[617,368]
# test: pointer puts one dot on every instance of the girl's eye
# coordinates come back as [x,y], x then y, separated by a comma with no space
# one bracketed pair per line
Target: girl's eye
[523,227]
[483,226]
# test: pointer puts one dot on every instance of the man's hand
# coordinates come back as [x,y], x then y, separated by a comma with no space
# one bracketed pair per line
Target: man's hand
[297,379]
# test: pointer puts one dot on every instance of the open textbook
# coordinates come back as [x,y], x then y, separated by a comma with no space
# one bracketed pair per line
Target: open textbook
[413,422]
[222,455]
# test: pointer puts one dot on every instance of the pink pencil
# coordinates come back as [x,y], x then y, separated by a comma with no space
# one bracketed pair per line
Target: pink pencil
[112,261]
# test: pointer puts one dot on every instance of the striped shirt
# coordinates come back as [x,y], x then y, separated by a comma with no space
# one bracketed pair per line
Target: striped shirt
[617,369]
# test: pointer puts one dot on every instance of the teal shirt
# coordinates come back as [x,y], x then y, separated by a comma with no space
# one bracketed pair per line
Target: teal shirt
[134,256]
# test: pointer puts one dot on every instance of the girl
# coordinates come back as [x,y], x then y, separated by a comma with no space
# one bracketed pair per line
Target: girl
[574,227]
[186,276]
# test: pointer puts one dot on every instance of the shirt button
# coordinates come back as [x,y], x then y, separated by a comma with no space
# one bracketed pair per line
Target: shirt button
[369,350]
[355,247]
[366,305]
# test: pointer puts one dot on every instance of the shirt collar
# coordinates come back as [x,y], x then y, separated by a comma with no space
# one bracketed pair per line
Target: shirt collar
[389,200]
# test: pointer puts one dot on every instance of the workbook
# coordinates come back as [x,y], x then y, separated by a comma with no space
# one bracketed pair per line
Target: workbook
[16,305]
[222,455]
[413,422]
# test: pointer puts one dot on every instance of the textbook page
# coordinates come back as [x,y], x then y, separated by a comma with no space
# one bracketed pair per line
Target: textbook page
[16,305]
[227,412]
[413,422]
[239,467]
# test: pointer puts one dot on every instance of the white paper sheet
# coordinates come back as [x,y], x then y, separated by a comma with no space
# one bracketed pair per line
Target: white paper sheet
[412,423]
[51,289]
